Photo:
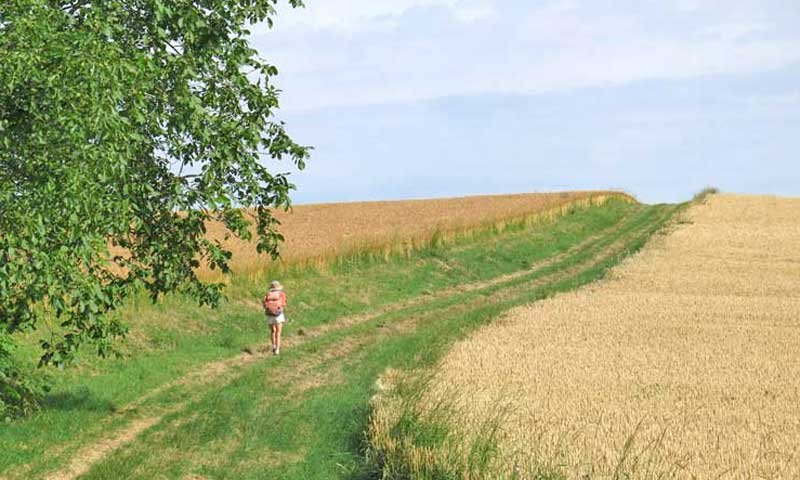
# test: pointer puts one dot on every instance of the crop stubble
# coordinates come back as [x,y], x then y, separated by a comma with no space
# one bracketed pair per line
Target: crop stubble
[683,364]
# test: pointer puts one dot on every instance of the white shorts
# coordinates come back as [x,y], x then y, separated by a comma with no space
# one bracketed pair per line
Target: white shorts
[274,320]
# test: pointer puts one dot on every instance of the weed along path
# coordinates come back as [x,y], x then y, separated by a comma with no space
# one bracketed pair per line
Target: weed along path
[303,414]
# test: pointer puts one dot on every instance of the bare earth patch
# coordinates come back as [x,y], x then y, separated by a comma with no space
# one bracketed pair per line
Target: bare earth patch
[683,364]
[87,457]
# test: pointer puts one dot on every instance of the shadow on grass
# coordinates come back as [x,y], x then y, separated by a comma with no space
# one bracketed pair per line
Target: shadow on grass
[77,399]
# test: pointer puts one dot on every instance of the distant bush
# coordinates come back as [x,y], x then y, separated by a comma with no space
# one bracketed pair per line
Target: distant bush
[702,195]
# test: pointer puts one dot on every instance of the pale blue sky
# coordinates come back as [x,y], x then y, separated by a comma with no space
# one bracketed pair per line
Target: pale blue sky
[431,98]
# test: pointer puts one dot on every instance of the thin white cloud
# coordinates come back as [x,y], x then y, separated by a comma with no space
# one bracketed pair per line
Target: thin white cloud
[474,11]
[352,52]
[350,15]
[772,100]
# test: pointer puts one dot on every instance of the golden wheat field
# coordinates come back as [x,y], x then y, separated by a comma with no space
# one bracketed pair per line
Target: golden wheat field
[684,363]
[324,231]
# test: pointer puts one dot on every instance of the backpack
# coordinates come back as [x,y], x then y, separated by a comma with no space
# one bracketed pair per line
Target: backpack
[274,302]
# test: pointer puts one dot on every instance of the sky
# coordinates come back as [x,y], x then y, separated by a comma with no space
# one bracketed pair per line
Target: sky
[435,98]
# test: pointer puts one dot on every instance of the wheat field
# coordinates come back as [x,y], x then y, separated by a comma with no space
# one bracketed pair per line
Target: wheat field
[318,233]
[684,363]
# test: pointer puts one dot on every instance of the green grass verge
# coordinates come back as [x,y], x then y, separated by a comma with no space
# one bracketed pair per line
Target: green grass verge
[257,423]
[416,440]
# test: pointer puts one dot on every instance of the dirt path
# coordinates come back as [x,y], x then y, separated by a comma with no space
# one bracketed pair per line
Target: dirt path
[219,373]
[85,458]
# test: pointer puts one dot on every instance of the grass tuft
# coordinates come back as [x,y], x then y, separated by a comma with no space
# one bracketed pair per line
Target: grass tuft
[702,195]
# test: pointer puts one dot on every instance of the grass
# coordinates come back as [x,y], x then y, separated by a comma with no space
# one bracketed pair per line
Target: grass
[304,414]
[401,412]
[702,195]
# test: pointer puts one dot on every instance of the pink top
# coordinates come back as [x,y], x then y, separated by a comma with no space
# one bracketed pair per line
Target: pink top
[275,302]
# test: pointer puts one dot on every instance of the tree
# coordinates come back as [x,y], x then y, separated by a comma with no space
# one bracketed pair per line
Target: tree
[128,123]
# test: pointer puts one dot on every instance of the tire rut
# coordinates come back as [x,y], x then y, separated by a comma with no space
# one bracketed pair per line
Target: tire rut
[82,461]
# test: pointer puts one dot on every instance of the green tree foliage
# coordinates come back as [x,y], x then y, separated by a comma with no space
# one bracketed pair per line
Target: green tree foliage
[128,123]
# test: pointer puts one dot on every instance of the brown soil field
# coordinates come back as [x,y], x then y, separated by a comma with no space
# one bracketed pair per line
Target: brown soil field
[683,363]
[318,233]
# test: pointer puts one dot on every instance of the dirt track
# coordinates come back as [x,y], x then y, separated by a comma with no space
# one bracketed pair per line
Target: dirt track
[138,417]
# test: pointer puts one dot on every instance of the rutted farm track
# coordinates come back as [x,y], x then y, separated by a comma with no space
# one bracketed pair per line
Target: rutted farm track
[323,357]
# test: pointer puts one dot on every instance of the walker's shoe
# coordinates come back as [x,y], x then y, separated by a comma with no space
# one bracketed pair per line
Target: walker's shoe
[273,351]
[277,351]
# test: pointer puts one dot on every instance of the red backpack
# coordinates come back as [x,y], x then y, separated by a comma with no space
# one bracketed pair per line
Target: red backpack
[274,302]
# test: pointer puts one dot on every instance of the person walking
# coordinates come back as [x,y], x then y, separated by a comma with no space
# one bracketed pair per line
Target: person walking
[275,309]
